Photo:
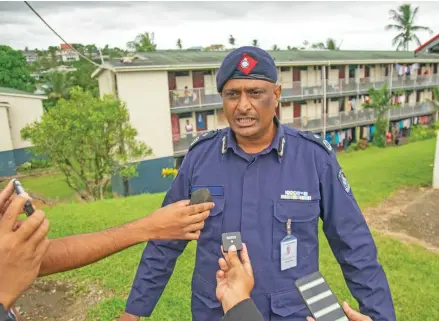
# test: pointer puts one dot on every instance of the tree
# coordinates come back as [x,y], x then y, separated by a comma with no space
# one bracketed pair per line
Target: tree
[381,100]
[255,43]
[330,44]
[275,48]
[82,77]
[232,40]
[52,50]
[404,22]
[179,45]
[144,42]
[82,138]
[14,71]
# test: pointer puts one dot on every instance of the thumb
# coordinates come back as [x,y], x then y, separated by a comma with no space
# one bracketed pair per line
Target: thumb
[351,313]
[181,203]
[233,257]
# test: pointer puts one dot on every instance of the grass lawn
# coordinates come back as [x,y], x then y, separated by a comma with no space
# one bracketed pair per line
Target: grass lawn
[374,174]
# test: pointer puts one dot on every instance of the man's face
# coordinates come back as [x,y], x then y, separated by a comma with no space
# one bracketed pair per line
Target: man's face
[250,105]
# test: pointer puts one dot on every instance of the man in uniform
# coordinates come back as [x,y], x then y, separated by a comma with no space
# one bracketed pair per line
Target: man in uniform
[272,183]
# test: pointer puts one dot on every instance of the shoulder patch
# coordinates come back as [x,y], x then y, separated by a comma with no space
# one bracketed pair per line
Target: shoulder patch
[318,140]
[343,181]
[205,136]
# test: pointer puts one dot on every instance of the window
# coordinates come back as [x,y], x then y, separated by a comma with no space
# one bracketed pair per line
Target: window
[182,73]
[285,69]
[185,115]
[285,104]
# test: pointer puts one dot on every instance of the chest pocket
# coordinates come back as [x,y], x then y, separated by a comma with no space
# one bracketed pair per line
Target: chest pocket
[304,225]
[210,238]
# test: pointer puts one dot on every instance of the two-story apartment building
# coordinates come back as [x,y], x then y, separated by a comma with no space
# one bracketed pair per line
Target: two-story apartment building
[170,92]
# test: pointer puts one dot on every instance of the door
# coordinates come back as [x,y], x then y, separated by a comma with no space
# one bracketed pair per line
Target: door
[175,123]
[297,109]
[296,81]
[341,73]
[201,121]
[198,85]
[172,85]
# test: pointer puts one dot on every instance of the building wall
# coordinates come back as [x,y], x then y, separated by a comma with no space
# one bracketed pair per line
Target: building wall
[287,113]
[332,107]
[146,97]
[210,84]
[106,83]
[182,81]
[22,111]
[149,179]
[5,133]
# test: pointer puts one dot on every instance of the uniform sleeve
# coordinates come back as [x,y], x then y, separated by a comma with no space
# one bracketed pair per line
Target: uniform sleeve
[244,311]
[352,244]
[159,257]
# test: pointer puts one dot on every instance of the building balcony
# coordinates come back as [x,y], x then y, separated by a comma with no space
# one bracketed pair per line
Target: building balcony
[330,122]
[208,99]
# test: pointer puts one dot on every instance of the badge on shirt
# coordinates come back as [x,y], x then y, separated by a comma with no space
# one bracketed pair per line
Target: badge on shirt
[343,181]
[288,252]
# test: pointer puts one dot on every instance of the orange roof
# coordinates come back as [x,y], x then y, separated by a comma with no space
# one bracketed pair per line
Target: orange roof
[66,46]
[429,44]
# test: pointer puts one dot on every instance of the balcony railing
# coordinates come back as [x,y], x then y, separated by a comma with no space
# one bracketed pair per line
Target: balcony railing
[204,97]
[333,122]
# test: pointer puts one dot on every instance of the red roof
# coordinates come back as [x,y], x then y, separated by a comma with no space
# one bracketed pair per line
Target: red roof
[66,46]
[429,44]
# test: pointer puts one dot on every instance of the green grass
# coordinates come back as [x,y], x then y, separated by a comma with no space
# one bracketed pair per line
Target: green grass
[374,174]
[52,187]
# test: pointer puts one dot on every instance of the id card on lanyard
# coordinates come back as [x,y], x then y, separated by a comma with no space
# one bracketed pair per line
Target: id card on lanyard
[288,250]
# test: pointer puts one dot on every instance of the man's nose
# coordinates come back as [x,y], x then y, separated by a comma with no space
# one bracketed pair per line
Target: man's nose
[244,103]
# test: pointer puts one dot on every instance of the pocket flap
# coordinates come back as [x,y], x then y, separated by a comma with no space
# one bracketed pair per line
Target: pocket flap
[286,303]
[205,291]
[219,205]
[297,211]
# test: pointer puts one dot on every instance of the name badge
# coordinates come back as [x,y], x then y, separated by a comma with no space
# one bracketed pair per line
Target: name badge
[288,252]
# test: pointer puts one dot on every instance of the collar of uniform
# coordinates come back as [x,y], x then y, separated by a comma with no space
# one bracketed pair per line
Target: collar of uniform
[278,143]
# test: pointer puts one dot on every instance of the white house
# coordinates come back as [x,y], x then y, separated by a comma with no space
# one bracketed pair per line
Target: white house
[17,109]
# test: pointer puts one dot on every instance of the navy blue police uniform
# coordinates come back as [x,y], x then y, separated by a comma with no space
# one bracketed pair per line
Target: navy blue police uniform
[283,190]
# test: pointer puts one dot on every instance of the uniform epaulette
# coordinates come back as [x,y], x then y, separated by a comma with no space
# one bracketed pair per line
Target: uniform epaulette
[318,140]
[208,135]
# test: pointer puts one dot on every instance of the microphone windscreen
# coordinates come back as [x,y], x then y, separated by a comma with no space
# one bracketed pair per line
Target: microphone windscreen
[201,196]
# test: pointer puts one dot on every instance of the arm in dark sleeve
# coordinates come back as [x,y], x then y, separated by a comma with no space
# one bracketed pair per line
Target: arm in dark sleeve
[159,257]
[352,244]
[244,311]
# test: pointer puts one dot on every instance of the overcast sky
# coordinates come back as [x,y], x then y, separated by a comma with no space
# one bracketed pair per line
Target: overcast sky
[360,25]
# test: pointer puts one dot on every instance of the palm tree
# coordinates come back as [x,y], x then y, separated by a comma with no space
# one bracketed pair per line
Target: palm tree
[143,42]
[255,43]
[232,40]
[58,85]
[179,45]
[330,44]
[404,22]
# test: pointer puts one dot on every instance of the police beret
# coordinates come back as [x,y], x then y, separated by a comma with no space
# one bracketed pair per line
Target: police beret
[246,63]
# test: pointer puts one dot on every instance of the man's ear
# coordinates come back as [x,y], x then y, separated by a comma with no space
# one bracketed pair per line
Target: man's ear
[277,93]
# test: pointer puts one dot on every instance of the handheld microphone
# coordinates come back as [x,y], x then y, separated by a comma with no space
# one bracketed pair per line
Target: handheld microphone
[28,208]
[200,196]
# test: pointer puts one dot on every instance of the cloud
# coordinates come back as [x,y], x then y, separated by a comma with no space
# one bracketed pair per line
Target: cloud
[360,25]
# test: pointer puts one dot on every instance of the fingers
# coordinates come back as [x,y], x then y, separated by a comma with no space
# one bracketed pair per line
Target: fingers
[352,314]
[6,193]
[223,265]
[245,259]
[194,227]
[6,204]
[29,226]
[197,208]
[219,276]
[192,236]
[42,248]
[13,211]
[200,217]
[40,234]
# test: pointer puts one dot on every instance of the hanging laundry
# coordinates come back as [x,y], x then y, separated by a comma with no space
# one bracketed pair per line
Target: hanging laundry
[372,129]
